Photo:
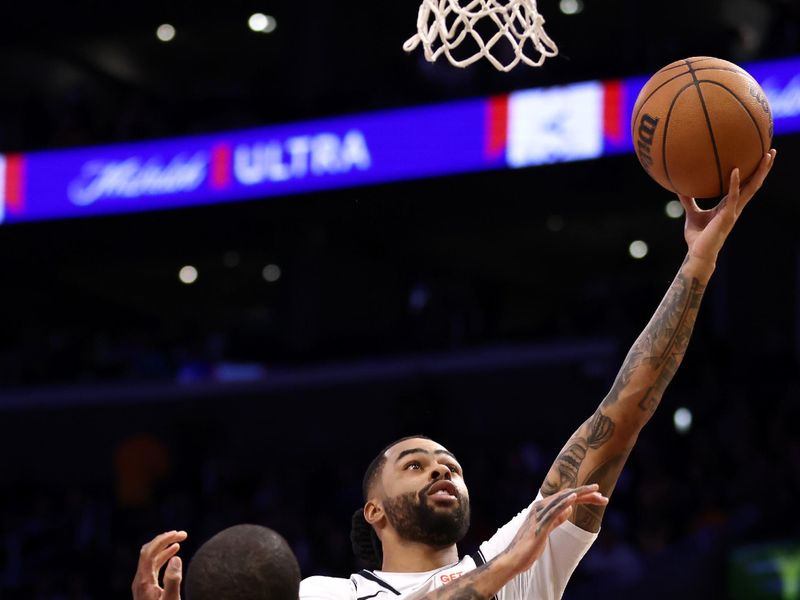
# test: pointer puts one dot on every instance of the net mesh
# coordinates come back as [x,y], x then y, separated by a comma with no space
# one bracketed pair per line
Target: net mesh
[442,25]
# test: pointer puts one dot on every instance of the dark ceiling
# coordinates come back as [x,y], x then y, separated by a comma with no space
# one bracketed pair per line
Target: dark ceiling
[480,251]
[79,72]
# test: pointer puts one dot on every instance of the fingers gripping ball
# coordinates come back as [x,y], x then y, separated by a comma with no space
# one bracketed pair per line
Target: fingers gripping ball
[696,120]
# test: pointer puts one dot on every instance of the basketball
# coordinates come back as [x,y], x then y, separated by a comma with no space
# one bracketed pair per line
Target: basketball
[696,120]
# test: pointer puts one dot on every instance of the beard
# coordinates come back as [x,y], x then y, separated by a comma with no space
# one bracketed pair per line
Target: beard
[416,521]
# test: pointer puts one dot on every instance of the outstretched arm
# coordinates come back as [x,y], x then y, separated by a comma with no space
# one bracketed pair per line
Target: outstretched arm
[523,551]
[597,451]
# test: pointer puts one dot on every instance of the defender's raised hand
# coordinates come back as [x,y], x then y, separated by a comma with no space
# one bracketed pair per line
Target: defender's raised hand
[153,556]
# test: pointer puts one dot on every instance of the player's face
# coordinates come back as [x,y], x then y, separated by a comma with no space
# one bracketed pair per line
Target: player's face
[425,499]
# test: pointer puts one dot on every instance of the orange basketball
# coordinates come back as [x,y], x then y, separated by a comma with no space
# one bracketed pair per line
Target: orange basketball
[697,119]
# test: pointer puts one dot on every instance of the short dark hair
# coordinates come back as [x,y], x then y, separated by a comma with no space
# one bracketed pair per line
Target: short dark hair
[365,542]
[377,463]
[244,562]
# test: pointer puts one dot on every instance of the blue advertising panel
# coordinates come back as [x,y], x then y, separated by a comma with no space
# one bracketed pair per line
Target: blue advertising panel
[780,80]
[522,129]
[270,161]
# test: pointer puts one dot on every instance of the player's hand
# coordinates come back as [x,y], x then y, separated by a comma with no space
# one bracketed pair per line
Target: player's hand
[160,550]
[706,230]
[545,515]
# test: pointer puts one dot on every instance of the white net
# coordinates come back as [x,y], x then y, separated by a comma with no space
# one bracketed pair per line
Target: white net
[442,25]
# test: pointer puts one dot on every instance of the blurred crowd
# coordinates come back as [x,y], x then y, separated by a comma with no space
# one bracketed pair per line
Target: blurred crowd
[84,485]
[684,502]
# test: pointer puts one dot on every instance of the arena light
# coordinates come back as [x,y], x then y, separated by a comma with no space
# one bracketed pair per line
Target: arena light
[682,420]
[261,23]
[271,273]
[165,32]
[674,209]
[570,7]
[187,274]
[638,249]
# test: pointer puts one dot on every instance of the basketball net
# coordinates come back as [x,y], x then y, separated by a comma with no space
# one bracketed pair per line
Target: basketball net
[443,24]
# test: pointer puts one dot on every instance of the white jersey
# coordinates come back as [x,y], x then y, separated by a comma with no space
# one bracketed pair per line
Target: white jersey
[545,580]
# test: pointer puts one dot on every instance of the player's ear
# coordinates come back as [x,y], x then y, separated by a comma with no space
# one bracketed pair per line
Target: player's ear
[373,512]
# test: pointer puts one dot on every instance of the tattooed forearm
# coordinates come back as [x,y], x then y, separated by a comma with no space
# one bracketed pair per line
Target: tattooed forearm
[464,588]
[601,428]
[659,350]
[564,473]
[466,592]
[597,451]
[479,584]
[542,513]
[587,516]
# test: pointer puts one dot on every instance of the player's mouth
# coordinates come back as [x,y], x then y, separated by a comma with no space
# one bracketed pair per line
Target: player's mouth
[443,490]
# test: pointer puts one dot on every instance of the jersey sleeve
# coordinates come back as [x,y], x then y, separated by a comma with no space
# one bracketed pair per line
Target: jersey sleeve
[548,577]
[327,588]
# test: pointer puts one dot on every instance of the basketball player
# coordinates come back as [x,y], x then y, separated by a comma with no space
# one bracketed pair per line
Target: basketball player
[250,562]
[416,502]
[243,562]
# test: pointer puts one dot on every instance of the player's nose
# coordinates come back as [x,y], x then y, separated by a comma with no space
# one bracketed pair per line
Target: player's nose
[440,472]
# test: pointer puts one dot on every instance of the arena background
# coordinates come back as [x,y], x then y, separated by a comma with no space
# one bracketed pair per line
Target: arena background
[490,311]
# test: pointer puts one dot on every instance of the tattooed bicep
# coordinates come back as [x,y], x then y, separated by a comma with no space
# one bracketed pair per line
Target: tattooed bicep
[566,470]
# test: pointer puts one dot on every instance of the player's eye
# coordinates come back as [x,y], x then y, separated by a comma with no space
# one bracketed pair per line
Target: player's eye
[413,465]
[453,468]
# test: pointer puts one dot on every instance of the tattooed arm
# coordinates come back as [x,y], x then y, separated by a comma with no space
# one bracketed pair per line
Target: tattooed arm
[523,551]
[597,451]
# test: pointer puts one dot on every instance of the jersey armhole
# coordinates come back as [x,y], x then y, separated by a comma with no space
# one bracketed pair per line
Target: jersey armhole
[480,560]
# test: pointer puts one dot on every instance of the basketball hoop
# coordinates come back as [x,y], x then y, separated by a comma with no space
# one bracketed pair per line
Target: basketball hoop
[443,24]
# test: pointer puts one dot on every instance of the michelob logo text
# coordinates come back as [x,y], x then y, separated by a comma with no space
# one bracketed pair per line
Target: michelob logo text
[137,176]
